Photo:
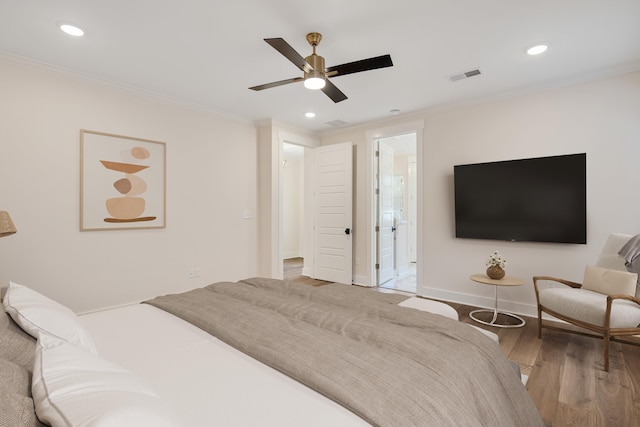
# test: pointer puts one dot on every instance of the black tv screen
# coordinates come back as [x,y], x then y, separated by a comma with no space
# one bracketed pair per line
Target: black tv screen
[540,200]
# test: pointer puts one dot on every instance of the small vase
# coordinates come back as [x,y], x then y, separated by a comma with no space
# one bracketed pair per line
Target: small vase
[495,272]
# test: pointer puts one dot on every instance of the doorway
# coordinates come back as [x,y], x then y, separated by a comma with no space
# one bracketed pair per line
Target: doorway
[395,194]
[293,191]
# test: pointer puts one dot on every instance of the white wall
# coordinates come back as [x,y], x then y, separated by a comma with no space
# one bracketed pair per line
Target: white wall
[211,180]
[601,118]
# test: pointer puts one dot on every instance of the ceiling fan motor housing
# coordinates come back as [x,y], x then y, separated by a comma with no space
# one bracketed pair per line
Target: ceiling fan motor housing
[317,63]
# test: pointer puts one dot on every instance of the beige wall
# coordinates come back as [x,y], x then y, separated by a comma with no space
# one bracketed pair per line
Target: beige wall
[601,118]
[211,180]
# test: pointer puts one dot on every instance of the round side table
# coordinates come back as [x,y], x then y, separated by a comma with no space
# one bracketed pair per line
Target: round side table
[505,281]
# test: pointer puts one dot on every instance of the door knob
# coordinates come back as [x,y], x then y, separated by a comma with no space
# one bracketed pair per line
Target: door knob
[347,231]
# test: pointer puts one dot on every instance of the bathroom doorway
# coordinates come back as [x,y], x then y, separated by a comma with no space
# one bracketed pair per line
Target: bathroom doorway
[395,191]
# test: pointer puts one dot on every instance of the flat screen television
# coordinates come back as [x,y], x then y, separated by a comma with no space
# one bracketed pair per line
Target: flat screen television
[540,200]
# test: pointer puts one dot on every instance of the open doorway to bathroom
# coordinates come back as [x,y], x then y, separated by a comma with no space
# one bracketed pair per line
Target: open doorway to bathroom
[396,216]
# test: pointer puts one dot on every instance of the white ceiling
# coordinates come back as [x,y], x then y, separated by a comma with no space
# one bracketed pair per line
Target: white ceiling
[208,52]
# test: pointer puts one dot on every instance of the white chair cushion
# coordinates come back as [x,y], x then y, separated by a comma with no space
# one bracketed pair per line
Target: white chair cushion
[609,257]
[590,307]
[609,282]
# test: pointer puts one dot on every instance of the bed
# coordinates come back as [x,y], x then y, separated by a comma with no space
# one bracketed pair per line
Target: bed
[267,352]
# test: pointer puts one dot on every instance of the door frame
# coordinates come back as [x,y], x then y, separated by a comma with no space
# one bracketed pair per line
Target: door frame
[371,136]
[412,215]
[384,228]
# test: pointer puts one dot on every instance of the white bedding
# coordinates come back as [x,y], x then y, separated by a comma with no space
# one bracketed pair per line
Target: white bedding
[206,381]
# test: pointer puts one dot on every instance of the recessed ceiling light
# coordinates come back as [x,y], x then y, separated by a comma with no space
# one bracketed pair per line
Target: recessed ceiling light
[394,111]
[72,30]
[310,115]
[537,49]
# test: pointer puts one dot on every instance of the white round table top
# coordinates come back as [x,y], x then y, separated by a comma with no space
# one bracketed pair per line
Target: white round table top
[505,281]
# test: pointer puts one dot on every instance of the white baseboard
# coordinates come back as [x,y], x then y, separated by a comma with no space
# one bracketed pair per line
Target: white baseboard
[111,307]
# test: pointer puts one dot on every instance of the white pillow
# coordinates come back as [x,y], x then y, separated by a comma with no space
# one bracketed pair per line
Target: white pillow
[75,388]
[35,313]
[609,282]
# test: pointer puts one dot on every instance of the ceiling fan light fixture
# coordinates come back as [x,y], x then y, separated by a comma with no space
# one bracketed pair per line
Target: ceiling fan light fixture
[314,81]
[314,77]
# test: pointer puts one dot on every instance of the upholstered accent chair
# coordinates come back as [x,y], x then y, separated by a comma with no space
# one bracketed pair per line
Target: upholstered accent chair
[606,304]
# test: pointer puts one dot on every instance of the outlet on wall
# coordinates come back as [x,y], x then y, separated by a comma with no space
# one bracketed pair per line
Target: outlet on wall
[193,272]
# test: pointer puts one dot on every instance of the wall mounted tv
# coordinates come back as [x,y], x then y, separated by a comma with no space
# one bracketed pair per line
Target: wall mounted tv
[540,200]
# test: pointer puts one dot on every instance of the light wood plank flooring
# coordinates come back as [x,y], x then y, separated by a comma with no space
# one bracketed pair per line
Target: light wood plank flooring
[566,380]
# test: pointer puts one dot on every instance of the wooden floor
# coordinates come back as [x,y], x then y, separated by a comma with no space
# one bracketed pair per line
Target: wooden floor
[566,380]
[293,271]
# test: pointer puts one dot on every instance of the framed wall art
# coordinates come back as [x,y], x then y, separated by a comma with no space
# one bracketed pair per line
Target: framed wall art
[122,182]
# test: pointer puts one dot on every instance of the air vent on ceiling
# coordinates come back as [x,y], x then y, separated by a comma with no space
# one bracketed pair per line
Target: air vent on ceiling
[337,123]
[465,75]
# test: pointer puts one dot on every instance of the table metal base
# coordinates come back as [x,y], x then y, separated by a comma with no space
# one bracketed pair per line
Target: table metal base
[495,317]
[495,312]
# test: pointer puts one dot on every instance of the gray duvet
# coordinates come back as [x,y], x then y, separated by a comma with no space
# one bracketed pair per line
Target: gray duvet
[393,366]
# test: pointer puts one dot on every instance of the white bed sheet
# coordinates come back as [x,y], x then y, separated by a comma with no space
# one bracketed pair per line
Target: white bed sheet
[207,382]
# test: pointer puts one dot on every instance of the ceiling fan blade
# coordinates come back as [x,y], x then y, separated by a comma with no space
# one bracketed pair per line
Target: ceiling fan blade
[288,52]
[275,84]
[333,92]
[362,65]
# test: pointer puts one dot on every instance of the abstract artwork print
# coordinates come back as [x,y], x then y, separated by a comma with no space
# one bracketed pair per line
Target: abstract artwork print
[122,182]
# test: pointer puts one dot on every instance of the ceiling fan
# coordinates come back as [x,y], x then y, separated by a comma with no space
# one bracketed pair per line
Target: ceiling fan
[316,76]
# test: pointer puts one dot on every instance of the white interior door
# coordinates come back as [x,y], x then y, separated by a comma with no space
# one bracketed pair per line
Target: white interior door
[333,213]
[385,213]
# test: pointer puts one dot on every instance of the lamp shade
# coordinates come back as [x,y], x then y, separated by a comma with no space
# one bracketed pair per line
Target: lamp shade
[6,225]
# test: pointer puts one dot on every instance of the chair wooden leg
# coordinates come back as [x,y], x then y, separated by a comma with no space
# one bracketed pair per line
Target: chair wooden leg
[606,340]
[539,322]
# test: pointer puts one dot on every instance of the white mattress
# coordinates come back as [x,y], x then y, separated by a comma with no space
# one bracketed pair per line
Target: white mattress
[206,381]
